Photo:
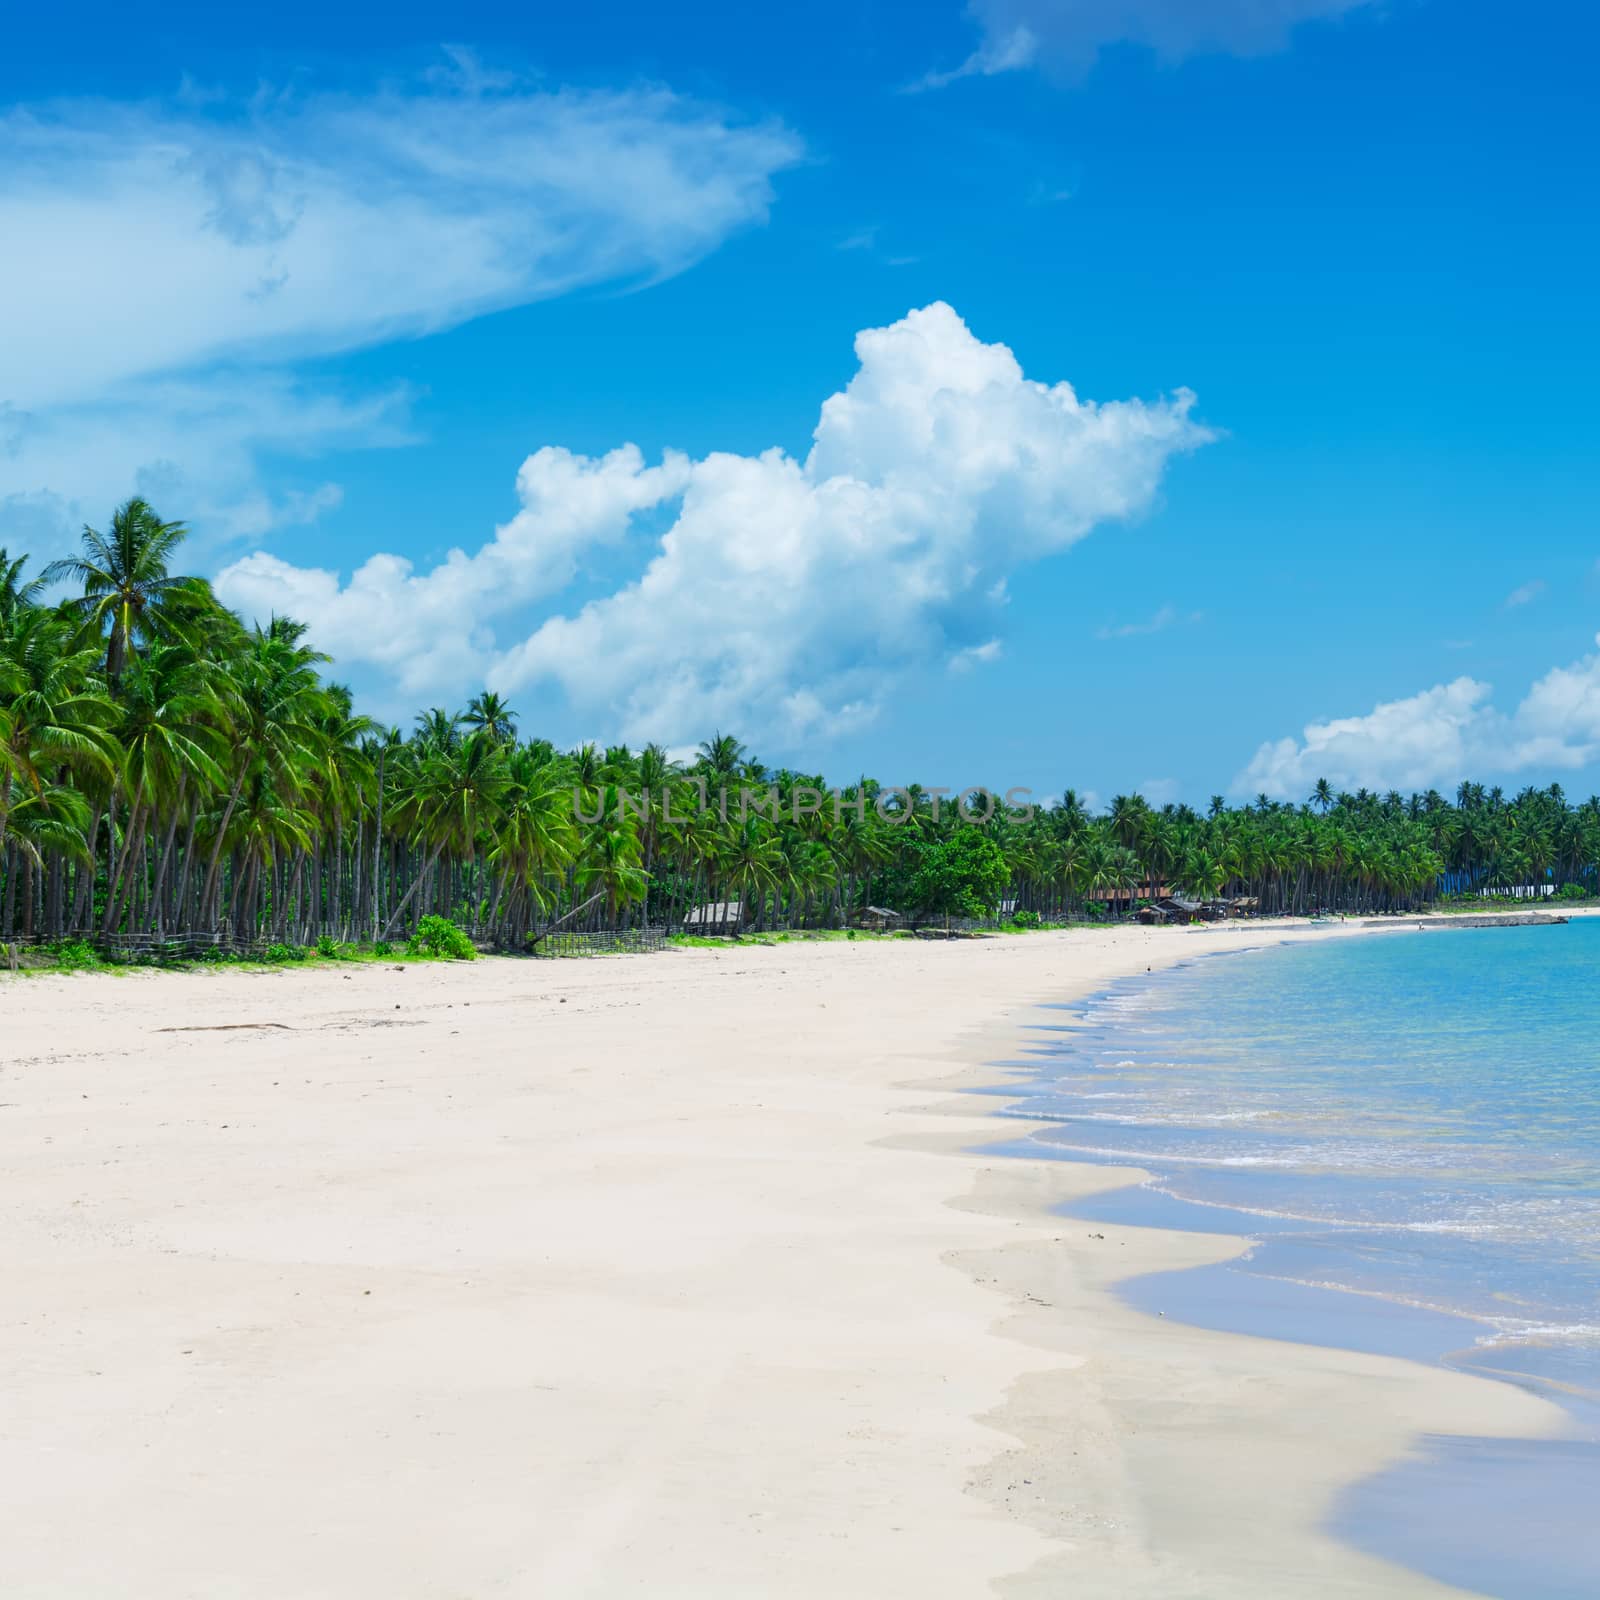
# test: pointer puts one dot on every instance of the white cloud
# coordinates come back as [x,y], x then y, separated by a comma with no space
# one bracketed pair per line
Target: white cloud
[166,239]
[429,631]
[1065,36]
[1436,738]
[789,594]
[975,655]
[1165,617]
[1525,593]
[184,442]
[313,223]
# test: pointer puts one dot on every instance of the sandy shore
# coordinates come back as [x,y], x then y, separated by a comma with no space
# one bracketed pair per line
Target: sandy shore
[657,1275]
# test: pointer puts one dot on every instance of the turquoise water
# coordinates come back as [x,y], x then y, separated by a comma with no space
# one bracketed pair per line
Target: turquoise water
[1407,1128]
[1414,1117]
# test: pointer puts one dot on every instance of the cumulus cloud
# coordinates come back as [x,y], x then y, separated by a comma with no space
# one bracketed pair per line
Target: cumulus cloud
[166,239]
[790,593]
[1436,738]
[1065,36]
[429,630]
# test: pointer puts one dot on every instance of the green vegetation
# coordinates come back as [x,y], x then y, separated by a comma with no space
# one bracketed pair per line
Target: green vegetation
[170,778]
[436,936]
[73,955]
[962,874]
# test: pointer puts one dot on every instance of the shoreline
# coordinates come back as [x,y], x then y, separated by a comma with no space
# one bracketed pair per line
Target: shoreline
[1328,1480]
[744,1375]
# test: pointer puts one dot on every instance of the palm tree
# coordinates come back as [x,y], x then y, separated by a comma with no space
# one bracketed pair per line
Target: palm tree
[55,716]
[753,859]
[129,597]
[489,713]
[721,755]
[536,839]
[15,594]
[164,768]
[458,792]
[273,708]
[170,737]
[438,729]
[610,862]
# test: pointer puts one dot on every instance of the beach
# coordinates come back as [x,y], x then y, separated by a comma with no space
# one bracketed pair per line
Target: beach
[670,1275]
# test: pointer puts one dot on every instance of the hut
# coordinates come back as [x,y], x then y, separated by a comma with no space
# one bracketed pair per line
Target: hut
[717,917]
[878,919]
[1182,908]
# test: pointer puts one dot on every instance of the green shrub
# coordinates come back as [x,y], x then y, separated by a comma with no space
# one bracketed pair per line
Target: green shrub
[438,936]
[279,953]
[383,948]
[1025,919]
[328,947]
[74,955]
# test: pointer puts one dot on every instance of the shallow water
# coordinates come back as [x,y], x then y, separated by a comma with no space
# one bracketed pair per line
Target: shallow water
[1408,1127]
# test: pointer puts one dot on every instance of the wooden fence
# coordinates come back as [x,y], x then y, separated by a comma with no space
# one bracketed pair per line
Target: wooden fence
[598,942]
[174,947]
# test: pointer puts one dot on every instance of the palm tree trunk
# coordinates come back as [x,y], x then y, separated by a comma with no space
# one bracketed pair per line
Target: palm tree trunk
[114,889]
[216,849]
[416,883]
[158,888]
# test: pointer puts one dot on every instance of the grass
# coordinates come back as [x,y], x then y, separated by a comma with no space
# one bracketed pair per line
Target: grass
[433,944]
[700,941]
[437,939]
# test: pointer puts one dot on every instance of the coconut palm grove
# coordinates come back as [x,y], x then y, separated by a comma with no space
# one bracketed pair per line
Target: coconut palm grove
[169,774]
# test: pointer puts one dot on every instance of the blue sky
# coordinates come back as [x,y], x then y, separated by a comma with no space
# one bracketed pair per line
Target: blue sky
[327,284]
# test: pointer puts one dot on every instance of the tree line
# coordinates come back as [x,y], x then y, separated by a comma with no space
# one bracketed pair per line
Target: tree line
[166,770]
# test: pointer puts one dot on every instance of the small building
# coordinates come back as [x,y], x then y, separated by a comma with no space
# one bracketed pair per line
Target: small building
[1183,909]
[878,919]
[1153,916]
[717,917]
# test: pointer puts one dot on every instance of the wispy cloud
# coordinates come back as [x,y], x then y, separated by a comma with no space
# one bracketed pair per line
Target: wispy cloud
[1525,594]
[865,241]
[166,240]
[297,224]
[1003,50]
[976,655]
[1167,617]
[1064,37]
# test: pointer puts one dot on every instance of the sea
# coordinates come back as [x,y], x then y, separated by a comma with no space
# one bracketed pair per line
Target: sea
[1407,1128]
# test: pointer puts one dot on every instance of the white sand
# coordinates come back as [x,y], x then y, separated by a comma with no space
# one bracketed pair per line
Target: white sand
[647,1276]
